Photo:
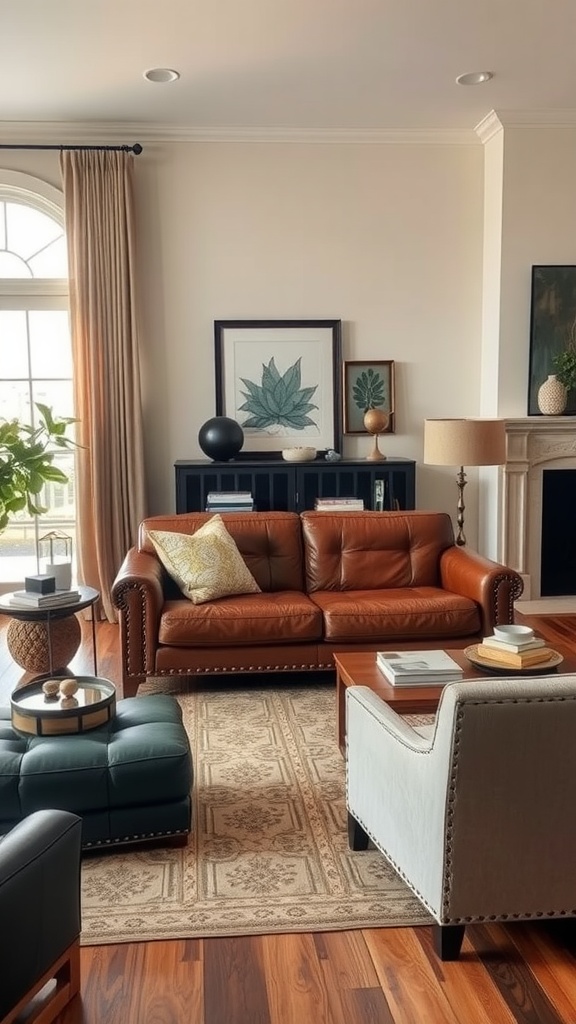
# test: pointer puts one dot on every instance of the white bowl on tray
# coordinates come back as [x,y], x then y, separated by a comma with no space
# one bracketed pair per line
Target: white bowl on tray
[299,454]
[513,634]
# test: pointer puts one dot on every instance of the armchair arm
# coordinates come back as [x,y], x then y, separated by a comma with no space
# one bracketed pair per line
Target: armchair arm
[396,783]
[138,594]
[494,587]
[39,898]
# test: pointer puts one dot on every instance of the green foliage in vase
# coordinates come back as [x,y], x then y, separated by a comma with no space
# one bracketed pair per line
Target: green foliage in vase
[26,461]
[565,366]
[278,399]
[368,390]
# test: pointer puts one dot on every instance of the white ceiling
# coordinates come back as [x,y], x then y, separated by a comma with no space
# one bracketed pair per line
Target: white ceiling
[333,65]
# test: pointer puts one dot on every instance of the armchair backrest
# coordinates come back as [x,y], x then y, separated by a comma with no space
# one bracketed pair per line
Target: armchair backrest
[510,802]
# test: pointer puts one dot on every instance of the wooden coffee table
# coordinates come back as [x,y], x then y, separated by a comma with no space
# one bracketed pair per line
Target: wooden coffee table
[360,669]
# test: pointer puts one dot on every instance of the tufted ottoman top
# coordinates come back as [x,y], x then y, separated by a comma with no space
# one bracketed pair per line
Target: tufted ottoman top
[116,777]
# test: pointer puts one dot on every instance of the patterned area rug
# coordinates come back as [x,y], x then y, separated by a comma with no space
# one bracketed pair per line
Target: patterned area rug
[269,849]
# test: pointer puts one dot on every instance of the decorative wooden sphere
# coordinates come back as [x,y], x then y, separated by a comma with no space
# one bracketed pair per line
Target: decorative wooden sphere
[375,421]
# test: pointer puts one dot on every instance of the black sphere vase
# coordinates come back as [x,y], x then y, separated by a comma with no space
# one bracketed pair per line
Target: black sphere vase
[221,438]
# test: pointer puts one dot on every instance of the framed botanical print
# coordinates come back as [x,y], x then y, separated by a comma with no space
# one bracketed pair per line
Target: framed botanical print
[367,384]
[280,380]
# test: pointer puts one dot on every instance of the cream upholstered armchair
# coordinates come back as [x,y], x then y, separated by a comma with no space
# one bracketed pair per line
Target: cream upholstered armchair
[475,812]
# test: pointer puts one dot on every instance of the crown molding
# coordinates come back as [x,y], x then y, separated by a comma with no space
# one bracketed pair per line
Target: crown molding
[114,132]
[498,120]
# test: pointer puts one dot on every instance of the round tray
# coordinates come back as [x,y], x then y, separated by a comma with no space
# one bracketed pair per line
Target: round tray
[95,704]
[486,665]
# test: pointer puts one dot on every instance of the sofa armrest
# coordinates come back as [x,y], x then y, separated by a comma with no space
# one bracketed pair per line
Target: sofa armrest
[492,586]
[138,594]
[39,898]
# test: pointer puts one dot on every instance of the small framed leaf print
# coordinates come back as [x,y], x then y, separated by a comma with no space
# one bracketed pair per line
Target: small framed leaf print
[368,384]
[280,380]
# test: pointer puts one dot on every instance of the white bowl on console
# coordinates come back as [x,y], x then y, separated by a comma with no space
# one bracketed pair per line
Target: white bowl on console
[299,454]
[513,634]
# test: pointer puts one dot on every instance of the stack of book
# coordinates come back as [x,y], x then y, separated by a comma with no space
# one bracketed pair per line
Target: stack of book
[29,599]
[514,654]
[339,505]
[229,501]
[418,668]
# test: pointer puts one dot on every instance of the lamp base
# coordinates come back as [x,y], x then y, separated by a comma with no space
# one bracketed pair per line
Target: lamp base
[375,455]
[461,481]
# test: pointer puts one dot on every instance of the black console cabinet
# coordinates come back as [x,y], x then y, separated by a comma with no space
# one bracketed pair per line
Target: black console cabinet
[293,487]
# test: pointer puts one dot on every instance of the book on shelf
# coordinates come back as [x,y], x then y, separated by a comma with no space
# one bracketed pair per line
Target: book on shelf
[413,668]
[524,659]
[229,498]
[339,505]
[229,501]
[28,599]
[379,495]
[516,647]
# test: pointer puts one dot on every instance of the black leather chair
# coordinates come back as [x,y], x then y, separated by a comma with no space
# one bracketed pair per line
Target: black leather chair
[40,915]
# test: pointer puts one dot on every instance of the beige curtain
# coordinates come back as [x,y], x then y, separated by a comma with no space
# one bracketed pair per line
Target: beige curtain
[99,209]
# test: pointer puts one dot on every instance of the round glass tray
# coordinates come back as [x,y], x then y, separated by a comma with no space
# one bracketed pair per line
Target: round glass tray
[93,704]
[486,665]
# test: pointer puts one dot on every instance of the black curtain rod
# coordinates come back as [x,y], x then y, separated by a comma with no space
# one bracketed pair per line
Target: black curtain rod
[136,148]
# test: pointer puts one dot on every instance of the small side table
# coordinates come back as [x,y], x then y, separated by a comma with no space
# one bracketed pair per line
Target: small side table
[44,640]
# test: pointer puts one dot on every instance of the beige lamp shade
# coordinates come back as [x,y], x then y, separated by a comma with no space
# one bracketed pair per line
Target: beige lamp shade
[464,442]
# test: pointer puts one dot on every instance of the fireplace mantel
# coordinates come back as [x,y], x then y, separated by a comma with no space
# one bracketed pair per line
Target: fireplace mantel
[534,443]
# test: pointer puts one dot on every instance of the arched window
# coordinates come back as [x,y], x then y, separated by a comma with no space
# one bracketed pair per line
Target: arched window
[35,349]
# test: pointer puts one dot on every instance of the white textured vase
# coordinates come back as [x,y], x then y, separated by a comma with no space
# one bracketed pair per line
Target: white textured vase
[552,396]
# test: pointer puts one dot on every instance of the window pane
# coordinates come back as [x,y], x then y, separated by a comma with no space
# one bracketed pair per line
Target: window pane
[55,393]
[13,266]
[29,230]
[50,344]
[51,261]
[13,347]
[15,400]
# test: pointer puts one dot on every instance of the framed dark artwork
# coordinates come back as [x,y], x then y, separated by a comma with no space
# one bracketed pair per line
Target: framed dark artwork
[552,326]
[280,379]
[367,384]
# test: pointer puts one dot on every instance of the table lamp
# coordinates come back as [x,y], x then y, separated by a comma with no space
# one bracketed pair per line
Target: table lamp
[464,442]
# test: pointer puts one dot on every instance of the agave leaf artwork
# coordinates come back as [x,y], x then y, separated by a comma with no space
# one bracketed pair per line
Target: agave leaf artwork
[278,400]
[26,461]
[368,390]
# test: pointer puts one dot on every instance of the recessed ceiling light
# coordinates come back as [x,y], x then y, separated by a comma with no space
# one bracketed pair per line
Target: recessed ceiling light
[161,75]
[475,77]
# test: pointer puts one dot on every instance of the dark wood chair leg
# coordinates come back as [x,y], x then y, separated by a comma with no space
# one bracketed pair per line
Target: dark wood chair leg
[448,940]
[358,839]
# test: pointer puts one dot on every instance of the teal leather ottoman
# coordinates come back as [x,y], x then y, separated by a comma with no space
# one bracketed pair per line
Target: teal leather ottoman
[129,780]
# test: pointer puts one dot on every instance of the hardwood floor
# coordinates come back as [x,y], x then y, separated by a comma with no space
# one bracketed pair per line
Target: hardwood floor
[524,973]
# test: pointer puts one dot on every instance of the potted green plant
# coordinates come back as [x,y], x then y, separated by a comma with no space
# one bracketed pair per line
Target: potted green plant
[26,461]
[565,366]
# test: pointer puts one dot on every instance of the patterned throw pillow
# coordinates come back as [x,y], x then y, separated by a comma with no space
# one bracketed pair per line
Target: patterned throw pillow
[206,564]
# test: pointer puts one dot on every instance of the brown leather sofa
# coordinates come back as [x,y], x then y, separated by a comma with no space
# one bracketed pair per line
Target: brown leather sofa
[329,582]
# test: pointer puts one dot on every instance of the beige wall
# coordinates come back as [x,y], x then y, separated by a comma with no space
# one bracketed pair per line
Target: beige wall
[387,237]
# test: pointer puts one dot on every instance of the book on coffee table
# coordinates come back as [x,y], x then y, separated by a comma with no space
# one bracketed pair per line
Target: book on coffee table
[418,668]
[516,647]
[513,659]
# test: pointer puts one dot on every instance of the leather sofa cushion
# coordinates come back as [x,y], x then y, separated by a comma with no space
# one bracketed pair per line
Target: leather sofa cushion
[270,544]
[374,550]
[272,618]
[414,613]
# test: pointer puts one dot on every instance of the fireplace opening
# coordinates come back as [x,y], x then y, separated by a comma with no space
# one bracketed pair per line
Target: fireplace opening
[558,560]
